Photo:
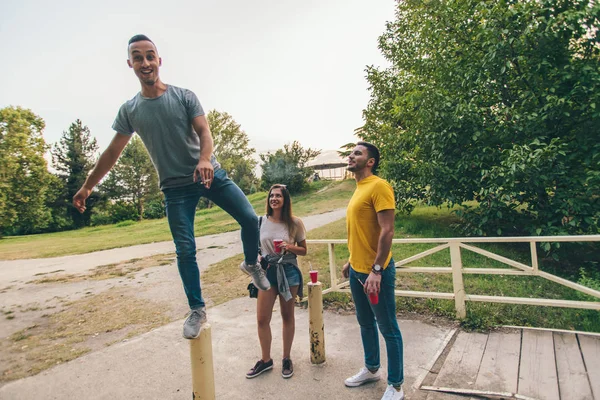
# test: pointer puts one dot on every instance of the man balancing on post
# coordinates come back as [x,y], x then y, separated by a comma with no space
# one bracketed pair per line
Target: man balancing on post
[372,272]
[171,123]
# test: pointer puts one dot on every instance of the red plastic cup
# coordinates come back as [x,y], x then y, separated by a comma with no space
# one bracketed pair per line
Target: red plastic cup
[374,298]
[314,276]
[277,244]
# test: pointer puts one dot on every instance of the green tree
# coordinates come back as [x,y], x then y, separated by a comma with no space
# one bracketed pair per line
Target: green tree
[73,158]
[133,179]
[347,148]
[56,201]
[232,149]
[23,172]
[497,102]
[288,166]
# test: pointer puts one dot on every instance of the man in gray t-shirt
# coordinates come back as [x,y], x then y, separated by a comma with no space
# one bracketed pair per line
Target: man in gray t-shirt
[171,123]
[164,124]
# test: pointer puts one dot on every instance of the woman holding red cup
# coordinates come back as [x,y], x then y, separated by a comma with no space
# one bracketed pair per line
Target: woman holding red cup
[282,239]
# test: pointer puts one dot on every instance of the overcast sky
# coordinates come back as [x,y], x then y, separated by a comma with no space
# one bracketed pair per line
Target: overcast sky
[285,70]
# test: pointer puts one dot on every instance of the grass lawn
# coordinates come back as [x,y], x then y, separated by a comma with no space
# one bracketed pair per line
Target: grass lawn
[322,197]
[221,283]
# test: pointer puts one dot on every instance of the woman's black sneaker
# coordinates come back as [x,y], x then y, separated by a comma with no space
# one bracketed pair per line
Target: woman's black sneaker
[259,368]
[287,370]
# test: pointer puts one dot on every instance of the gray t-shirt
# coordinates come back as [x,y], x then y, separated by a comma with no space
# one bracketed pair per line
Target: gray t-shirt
[164,124]
[270,230]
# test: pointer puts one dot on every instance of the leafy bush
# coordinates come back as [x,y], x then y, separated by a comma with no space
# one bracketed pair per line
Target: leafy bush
[115,212]
[154,209]
[288,166]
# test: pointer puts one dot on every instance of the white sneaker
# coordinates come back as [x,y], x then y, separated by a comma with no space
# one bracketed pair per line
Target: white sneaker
[392,394]
[363,376]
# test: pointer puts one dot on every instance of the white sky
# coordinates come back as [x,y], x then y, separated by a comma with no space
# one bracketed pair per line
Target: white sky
[285,70]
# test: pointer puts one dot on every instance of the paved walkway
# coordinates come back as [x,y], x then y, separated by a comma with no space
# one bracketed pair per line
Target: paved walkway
[156,365]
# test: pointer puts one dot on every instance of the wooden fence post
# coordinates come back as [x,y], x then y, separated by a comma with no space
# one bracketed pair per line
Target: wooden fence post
[457,281]
[534,256]
[332,267]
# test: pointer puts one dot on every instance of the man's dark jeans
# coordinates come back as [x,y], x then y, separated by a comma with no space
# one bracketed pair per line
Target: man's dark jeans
[383,315]
[181,205]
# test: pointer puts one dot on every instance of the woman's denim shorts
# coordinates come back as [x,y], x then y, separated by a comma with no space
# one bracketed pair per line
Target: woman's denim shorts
[291,273]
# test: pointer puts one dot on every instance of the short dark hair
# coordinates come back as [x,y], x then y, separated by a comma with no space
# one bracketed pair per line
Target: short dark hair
[138,38]
[373,152]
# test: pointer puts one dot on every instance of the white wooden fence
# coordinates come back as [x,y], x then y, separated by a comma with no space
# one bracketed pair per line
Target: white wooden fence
[456,269]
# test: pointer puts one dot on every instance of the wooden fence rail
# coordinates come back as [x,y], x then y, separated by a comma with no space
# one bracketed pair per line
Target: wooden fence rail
[456,246]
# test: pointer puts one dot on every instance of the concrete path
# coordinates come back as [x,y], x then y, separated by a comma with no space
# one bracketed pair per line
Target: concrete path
[226,244]
[156,365]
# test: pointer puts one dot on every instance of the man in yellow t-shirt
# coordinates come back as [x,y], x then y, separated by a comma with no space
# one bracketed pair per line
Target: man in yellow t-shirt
[371,269]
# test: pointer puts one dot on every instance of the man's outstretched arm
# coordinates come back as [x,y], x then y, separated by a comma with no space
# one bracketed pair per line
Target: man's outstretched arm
[106,161]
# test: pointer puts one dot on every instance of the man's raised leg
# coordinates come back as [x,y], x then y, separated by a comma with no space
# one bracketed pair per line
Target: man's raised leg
[227,195]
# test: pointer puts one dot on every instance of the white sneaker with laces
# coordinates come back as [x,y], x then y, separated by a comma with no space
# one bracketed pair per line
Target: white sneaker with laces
[392,394]
[363,376]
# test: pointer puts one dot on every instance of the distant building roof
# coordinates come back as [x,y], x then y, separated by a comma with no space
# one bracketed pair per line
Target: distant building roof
[328,159]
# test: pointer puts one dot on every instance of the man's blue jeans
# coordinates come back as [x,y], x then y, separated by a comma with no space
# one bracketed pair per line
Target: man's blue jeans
[181,205]
[382,315]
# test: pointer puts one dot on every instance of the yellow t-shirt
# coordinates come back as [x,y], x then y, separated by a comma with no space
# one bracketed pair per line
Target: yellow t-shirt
[372,195]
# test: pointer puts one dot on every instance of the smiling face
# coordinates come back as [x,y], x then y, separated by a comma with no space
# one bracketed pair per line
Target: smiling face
[359,159]
[279,202]
[144,59]
[276,199]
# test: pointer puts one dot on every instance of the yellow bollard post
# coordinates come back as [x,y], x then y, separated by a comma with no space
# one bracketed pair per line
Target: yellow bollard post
[203,377]
[316,327]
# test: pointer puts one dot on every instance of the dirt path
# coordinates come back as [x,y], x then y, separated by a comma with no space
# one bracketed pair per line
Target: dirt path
[33,291]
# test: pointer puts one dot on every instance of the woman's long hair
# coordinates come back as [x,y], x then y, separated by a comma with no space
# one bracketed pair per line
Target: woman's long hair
[286,210]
